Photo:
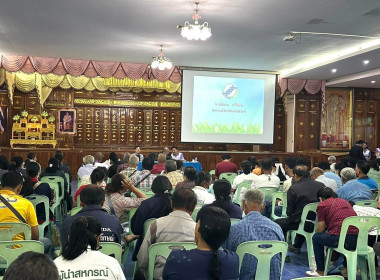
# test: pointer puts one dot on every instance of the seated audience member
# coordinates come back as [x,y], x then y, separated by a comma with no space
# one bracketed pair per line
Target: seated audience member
[247,175]
[176,155]
[155,207]
[31,266]
[166,151]
[222,190]
[290,163]
[188,178]
[172,174]
[99,156]
[97,178]
[303,192]
[255,165]
[178,226]
[207,261]
[254,227]
[225,166]
[160,166]
[317,174]
[331,213]
[116,203]
[352,189]
[362,169]
[332,162]
[356,152]
[53,170]
[16,165]
[4,165]
[30,157]
[137,153]
[153,156]
[86,179]
[63,166]
[267,179]
[11,185]
[180,166]
[125,163]
[338,168]
[366,151]
[132,168]
[279,170]
[202,183]
[115,162]
[33,186]
[374,172]
[87,168]
[80,256]
[325,166]
[92,200]
[144,179]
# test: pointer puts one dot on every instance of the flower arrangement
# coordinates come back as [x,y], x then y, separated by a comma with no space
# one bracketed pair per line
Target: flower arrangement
[24,114]
[16,118]
[51,119]
[34,119]
[44,114]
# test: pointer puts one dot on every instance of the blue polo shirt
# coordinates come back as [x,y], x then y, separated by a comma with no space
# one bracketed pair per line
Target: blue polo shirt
[111,227]
[354,191]
[369,182]
[335,177]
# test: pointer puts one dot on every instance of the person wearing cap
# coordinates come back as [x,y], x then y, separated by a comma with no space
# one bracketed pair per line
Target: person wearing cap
[225,166]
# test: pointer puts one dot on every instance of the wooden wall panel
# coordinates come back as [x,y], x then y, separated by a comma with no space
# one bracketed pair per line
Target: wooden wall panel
[308,121]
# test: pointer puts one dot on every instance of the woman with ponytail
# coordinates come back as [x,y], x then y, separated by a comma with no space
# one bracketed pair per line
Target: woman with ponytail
[80,258]
[16,165]
[155,207]
[206,261]
[222,191]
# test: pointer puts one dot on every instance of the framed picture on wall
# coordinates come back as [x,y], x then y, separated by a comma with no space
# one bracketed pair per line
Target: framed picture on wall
[67,121]
[336,120]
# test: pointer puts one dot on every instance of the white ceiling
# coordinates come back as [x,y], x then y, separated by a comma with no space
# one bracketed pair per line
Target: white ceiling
[247,34]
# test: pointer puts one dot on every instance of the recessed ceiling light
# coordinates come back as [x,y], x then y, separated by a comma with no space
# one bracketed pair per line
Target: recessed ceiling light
[333,70]
[365,62]
[373,82]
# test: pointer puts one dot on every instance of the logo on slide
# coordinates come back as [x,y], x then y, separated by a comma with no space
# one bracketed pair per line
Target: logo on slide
[230,91]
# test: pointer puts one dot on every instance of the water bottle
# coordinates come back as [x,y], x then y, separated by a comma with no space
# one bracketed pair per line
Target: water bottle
[196,159]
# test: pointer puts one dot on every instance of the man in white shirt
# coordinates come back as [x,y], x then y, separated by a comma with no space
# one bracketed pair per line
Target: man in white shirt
[247,175]
[332,162]
[267,179]
[316,174]
[202,183]
[88,166]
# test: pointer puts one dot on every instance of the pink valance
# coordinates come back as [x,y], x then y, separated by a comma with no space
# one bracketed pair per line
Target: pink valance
[88,68]
[295,86]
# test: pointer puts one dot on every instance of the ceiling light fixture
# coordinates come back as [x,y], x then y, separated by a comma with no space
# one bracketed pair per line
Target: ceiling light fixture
[195,31]
[333,70]
[161,62]
[373,82]
[365,62]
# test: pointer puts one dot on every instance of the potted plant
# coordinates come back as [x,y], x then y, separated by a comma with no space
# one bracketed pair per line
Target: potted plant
[16,118]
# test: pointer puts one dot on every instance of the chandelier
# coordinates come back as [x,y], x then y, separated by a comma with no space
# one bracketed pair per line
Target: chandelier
[161,62]
[195,31]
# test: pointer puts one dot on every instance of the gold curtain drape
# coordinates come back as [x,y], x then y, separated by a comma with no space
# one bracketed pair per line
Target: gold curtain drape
[44,84]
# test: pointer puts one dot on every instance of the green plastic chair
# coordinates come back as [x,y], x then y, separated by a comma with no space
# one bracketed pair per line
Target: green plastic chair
[331,277]
[10,250]
[75,210]
[363,253]
[35,200]
[229,176]
[212,172]
[130,215]
[311,207]
[164,249]
[56,206]
[283,197]
[78,200]
[268,192]
[247,185]
[9,230]
[263,251]
[61,183]
[67,178]
[195,212]
[368,203]
[234,221]
[111,249]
